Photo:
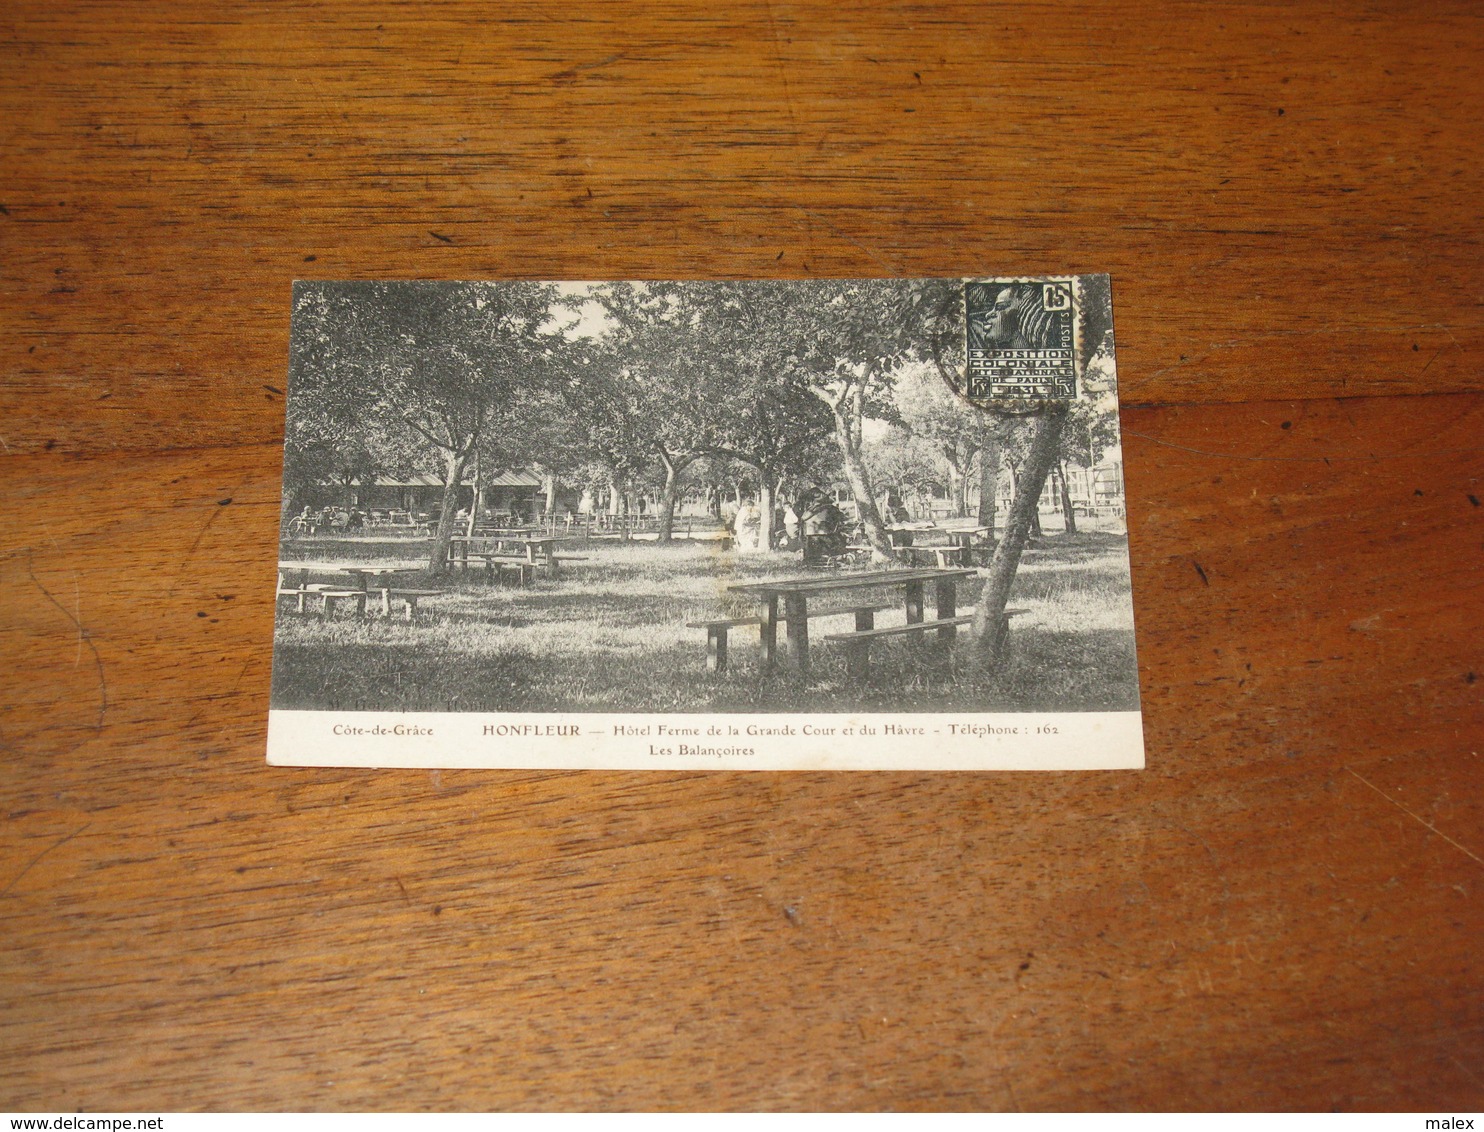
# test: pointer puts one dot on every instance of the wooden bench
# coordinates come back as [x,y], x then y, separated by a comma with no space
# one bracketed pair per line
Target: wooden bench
[494,561]
[858,644]
[504,562]
[333,594]
[717,630]
[291,591]
[508,564]
[941,555]
[409,598]
[301,593]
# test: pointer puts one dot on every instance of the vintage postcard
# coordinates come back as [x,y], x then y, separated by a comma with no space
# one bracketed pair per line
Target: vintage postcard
[770,525]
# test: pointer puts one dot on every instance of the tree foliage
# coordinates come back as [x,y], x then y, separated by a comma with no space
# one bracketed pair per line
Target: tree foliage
[632,385]
[387,364]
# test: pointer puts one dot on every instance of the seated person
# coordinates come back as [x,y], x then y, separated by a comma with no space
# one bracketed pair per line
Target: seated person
[896,514]
[823,526]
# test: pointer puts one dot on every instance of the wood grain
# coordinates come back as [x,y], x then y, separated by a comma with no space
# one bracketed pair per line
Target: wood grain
[1281,912]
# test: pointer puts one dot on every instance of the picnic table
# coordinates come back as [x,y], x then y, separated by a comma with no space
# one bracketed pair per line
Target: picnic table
[532,546]
[902,534]
[294,579]
[968,536]
[940,555]
[399,521]
[795,594]
[530,550]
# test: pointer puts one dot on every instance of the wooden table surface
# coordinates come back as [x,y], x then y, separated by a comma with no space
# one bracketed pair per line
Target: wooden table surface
[1282,911]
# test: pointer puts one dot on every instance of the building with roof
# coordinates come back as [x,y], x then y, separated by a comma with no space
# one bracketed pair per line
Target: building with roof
[518,491]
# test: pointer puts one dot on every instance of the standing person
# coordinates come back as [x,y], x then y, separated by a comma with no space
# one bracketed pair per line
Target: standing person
[791,524]
[748,526]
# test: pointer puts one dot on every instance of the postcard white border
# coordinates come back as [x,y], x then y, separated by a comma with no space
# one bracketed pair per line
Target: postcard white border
[1111,740]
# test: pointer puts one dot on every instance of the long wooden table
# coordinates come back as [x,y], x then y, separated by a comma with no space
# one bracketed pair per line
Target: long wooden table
[967,537]
[361,578]
[795,593]
[536,549]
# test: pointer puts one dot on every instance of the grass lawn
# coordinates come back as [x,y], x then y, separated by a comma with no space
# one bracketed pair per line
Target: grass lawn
[610,635]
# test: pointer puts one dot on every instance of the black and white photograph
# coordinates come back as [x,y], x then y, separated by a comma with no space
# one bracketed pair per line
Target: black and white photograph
[704,500]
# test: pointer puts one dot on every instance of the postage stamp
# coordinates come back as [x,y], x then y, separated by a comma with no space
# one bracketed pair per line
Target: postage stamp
[1021,339]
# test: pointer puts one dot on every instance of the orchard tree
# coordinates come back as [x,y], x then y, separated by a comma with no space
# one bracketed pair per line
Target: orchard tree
[529,430]
[609,411]
[448,362]
[955,432]
[744,350]
[659,331]
[338,431]
[996,435]
[758,372]
[898,460]
[1091,425]
[1093,312]
[854,338]
[321,448]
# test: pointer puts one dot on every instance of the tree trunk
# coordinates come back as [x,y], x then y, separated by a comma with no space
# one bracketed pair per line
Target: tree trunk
[987,636]
[989,479]
[765,510]
[1066,499]
[551,491]
[865,503]
[668,496]
[671,494]
[1016,477]
[962,462]
[478,501]
[455,463]
[848,435]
